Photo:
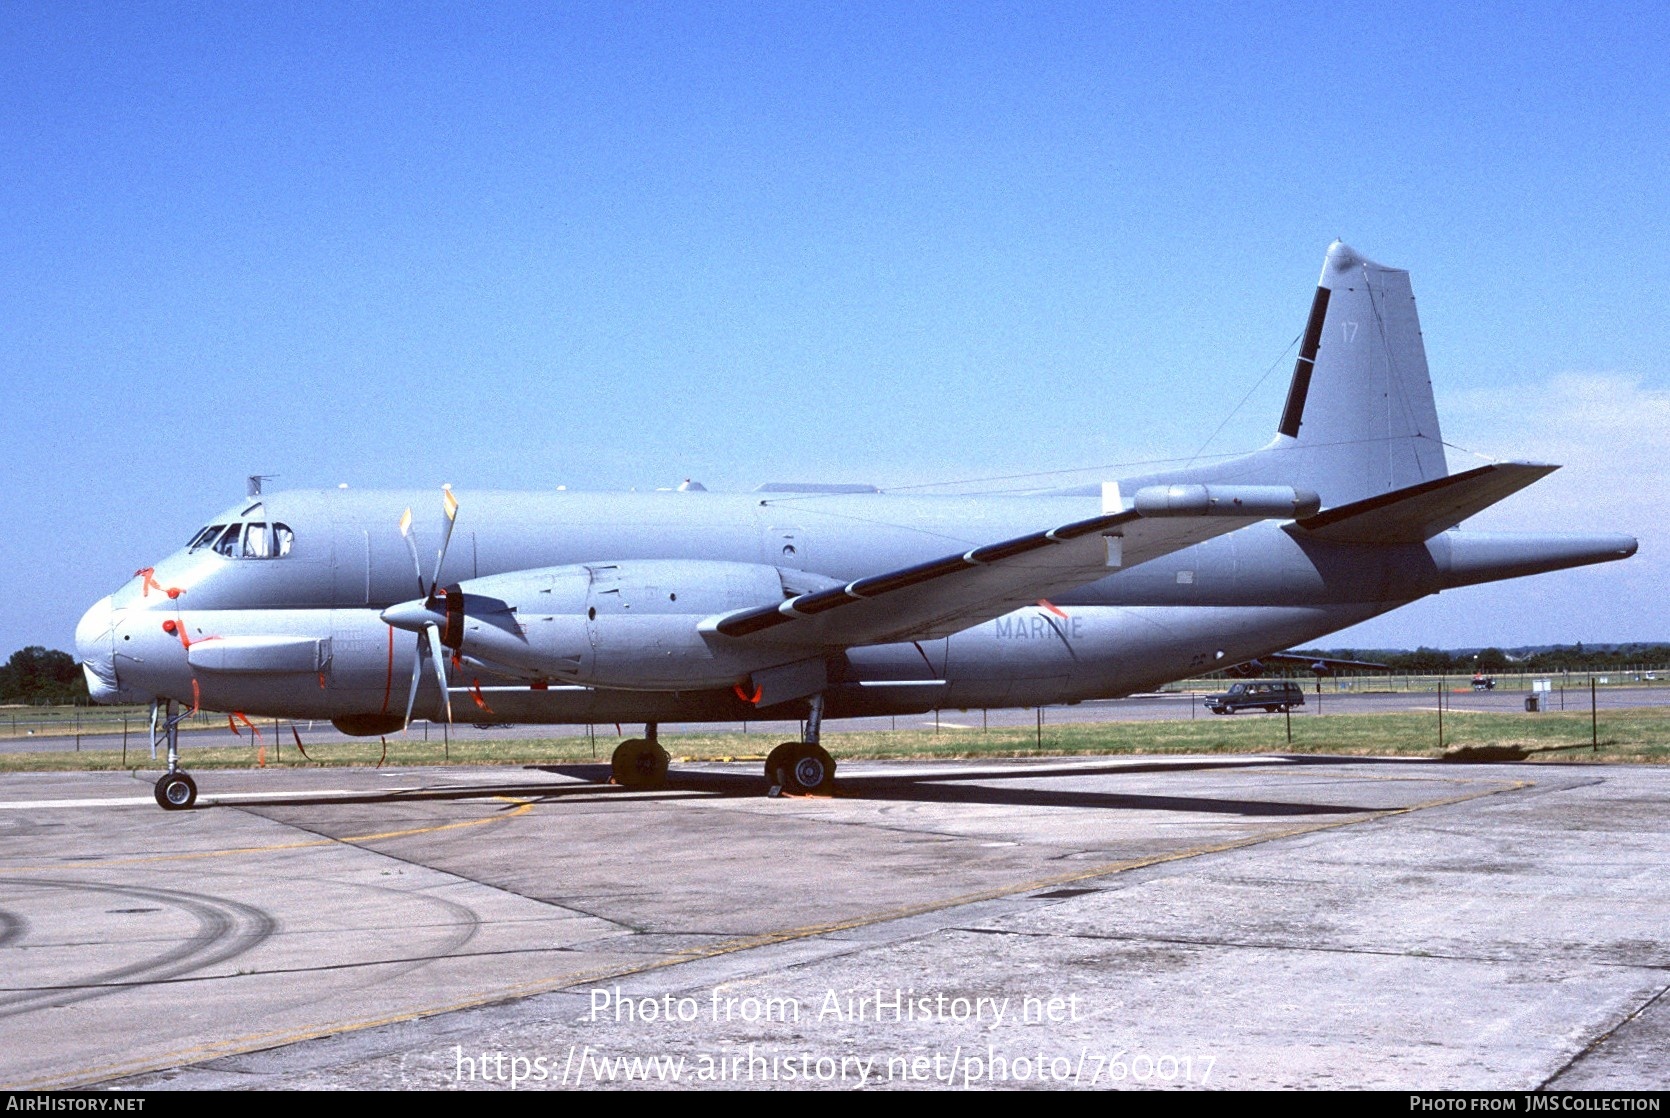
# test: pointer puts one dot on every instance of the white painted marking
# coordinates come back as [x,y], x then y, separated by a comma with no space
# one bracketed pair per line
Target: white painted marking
[110,801]
[310,794]
[218,797]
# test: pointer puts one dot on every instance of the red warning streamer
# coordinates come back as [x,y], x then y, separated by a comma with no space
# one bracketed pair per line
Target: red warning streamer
[240,716]
[388,680]
[149,574]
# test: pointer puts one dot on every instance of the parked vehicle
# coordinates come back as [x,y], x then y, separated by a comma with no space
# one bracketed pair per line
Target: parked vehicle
[1484,683]
[1269,695]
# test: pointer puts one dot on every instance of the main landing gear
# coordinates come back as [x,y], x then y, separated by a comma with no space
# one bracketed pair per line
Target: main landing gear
[639,762]
[176,791]
[802,767]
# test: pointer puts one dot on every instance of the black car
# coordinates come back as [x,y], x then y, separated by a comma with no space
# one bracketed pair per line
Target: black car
[1270,695]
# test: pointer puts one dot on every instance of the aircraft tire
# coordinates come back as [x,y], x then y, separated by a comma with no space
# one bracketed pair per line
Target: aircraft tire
[777,765]
[810,770]
[638,763]
[176,791]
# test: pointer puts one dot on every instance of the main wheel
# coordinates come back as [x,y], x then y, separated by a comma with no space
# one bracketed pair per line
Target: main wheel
[809,770]
[638,763]
[176,791]
[777,764]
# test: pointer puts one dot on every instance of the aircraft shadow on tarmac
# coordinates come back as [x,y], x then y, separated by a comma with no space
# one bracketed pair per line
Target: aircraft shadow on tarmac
[981,786]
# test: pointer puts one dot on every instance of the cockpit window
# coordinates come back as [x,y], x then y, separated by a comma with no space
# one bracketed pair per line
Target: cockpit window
[205,537]
[259,543]
[255,540]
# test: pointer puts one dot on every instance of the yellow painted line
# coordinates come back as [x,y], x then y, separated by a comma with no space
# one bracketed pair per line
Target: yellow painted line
[278,1038]
[524,807]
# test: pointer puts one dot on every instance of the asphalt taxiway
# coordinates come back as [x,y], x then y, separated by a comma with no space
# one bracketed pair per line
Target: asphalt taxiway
[1212,921]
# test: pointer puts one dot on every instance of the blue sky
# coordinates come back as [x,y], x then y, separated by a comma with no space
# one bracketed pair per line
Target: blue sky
[607,246]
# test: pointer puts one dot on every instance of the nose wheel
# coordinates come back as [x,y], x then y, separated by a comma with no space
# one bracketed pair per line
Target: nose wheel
[176,791]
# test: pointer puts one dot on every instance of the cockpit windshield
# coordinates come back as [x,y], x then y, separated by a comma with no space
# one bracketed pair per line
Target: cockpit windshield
[205,537]
[227,545]
[255,540]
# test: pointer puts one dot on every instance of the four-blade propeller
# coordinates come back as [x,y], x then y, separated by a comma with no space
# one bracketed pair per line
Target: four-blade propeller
[426,617]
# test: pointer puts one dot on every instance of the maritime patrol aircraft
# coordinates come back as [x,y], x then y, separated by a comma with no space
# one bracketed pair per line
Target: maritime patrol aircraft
[812,602]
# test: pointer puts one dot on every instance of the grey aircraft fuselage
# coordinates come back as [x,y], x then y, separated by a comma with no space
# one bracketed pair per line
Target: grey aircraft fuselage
[306,616]
[1245,594]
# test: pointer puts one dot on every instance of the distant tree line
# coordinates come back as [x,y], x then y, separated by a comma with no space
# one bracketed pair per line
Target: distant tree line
[1548,660]
[38,676]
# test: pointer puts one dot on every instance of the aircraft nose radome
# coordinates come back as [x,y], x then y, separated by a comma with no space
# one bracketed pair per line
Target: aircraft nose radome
[95,644]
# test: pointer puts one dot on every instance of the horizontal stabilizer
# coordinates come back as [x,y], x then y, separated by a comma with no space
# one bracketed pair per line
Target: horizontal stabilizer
[1421,511]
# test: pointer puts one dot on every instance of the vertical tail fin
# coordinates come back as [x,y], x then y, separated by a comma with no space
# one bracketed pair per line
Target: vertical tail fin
[1359,419]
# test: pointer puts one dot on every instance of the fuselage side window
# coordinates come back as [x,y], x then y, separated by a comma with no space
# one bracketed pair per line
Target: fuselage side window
[260,543]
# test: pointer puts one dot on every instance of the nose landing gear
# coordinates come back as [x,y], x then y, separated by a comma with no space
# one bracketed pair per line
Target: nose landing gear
[176,791]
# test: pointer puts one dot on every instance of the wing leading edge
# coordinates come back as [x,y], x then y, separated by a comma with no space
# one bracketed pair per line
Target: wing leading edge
[949,594]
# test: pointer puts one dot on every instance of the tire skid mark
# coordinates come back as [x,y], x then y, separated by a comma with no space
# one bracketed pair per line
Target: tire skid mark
[13,925]
[225,930]
[454,935]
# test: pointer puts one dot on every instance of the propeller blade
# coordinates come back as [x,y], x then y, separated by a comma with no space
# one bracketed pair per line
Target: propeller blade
[411,546]
[417,675]
[449,505]
[434,632]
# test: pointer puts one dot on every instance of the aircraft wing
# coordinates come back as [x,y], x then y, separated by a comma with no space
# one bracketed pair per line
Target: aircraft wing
[1320,665]
[946,595]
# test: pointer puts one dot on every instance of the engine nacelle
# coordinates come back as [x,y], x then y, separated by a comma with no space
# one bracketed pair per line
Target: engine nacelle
[630,625]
